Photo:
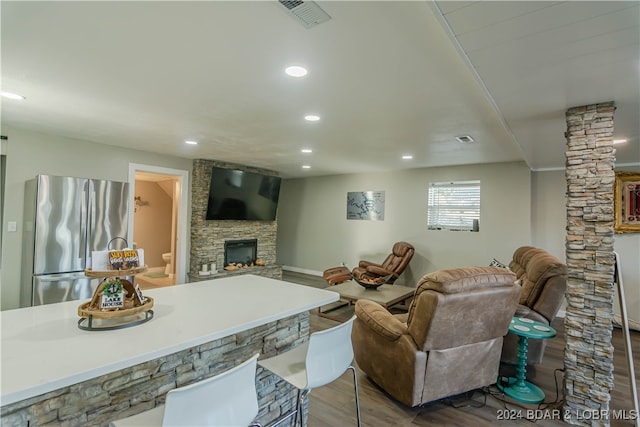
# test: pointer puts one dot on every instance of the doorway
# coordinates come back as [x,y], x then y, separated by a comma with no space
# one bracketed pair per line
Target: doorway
[158,224]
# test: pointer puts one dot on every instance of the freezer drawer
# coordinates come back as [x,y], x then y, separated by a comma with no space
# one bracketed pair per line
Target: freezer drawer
[52,288]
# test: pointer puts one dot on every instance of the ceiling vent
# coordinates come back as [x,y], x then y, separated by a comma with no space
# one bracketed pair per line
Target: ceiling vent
[465,139]
[308,13]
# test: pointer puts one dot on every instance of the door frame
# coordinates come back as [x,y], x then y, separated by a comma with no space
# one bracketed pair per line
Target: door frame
[182,201]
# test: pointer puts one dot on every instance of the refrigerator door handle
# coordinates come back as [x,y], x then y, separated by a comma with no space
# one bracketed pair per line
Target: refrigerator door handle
[91,225]
[83,227]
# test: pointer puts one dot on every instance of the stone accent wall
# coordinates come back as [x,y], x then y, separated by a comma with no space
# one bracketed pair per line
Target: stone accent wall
[207,237]
[139,388]
[590,177]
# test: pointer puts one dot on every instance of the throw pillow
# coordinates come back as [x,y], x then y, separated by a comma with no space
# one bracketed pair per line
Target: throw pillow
[495,263]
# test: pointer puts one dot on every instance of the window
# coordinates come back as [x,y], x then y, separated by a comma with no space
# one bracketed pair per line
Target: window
[454,206]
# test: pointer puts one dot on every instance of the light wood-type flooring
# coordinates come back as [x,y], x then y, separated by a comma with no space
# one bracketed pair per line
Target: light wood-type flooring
[333,405]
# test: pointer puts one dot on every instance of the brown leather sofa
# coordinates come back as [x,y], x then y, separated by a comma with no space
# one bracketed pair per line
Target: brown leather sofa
[393,265]
[544,280]
[448,343]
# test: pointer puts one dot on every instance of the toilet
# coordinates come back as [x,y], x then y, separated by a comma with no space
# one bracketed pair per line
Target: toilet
[166,257]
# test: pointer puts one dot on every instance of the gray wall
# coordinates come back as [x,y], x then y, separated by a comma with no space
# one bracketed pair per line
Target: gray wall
[549,211]
[314,234]
[29,154]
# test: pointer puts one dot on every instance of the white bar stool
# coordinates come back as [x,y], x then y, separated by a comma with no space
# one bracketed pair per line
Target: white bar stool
[315,363]
[227,399]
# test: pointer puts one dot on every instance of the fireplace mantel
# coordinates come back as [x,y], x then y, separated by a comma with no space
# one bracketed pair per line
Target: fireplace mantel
[272,271]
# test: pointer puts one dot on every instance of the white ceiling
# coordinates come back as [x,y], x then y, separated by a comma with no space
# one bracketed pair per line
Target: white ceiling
[387,78]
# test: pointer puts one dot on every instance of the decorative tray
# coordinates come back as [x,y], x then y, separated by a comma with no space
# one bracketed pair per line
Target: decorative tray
[124,306]
[85,311]
[114,273]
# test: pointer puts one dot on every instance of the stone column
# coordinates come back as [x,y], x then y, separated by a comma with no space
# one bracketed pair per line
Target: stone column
[590,174]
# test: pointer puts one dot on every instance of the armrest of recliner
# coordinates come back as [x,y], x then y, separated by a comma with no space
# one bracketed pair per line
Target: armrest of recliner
[367,264]
[378,270]
[522,311]
[379,320]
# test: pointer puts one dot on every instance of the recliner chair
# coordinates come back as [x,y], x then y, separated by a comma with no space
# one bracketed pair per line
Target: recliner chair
[544,280]
[451,340]
[393,265]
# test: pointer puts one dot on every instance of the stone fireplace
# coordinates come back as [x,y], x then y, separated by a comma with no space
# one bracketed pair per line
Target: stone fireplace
[240,251]
[208,238]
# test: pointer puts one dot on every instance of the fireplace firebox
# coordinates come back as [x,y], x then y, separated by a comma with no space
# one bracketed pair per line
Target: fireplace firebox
[240,251]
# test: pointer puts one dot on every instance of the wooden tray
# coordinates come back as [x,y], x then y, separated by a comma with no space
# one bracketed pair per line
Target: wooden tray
[114,314]
[114,273]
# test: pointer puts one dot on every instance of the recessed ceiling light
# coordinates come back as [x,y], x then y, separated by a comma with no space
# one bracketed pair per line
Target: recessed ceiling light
[191,142]
[306,167]
[296,71]
[465,139]
[619,141]
[306,150]
[312,117]
[10,95]
[407,157]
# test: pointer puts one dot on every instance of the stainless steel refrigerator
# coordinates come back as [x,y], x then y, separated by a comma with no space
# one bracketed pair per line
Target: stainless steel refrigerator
[67,218]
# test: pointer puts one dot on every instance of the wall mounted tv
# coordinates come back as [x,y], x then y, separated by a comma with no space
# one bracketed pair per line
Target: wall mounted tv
[241,195]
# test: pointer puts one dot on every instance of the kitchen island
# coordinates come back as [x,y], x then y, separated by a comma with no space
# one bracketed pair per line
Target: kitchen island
[53,372]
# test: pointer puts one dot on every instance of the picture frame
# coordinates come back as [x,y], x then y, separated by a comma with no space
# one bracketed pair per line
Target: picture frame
[627,202]
[365,205]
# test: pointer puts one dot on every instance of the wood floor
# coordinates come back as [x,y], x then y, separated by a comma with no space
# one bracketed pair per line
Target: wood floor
[334,405]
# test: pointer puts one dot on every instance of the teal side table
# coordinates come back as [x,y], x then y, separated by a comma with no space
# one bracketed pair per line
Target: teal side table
[519,388]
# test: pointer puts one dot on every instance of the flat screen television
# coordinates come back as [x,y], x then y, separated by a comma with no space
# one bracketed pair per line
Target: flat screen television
[241,195]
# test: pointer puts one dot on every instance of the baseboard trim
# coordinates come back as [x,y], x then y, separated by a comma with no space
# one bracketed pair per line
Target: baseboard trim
[302,270]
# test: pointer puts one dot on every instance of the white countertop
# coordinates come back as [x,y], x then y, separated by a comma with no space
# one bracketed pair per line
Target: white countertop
[43,349]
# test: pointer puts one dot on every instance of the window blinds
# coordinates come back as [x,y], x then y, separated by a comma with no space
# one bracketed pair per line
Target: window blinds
[454,206]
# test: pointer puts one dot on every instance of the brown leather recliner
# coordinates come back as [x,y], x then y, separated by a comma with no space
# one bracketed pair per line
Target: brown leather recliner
[448,343]
[393,265]
[544,280]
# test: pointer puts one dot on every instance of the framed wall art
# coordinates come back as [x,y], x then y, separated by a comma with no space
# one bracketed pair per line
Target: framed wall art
[627,202]
[365,205]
